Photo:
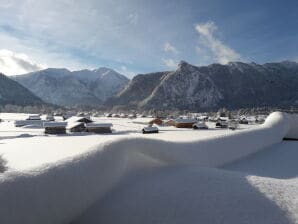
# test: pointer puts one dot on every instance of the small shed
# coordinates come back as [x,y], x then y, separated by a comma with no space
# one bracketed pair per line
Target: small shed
[55,128]
[76,127]
[99,127]
[185,122]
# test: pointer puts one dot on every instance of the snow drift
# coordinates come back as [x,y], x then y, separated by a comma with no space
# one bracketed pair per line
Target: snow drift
[58,193]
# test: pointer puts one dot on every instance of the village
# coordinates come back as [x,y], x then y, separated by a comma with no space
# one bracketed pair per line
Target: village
[58,124]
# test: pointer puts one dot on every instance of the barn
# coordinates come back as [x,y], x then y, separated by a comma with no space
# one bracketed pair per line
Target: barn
[99,127]
[185,122]
[76,127]
[55,128]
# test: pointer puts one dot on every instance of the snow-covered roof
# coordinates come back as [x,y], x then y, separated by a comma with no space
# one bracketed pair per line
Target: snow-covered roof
[77,119]
[73,124]
[33,117]
[54,124]
[150,128]
[98,125]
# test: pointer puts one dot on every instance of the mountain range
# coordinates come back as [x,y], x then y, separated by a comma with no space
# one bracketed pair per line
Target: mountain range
[65,88]
[12,92]
[235,85]
[197,88]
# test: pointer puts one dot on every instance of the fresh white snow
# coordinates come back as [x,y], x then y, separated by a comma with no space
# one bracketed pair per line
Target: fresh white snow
[177,176]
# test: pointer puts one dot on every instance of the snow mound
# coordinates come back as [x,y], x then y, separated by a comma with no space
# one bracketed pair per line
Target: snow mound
[58,193]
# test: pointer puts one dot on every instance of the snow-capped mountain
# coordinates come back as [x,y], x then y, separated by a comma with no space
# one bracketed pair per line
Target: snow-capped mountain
[234,85]
[12,92]
[66,88]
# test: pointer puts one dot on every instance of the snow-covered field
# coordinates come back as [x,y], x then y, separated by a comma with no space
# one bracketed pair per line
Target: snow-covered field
[176,176]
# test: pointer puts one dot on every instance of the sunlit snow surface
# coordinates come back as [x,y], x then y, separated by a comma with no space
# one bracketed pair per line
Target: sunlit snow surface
[177,176]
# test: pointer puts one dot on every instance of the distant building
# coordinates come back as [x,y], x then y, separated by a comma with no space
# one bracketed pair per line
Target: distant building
[85,120]
[33,118]
[185,122]
[55,128]
[99,127]
[76,127]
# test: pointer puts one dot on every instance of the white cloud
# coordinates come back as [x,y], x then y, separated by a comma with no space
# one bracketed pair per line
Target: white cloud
[170,48]
[221,53]
[171,63]
[12,63]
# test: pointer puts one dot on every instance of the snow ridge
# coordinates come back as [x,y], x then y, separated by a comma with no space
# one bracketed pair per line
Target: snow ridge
[61,192]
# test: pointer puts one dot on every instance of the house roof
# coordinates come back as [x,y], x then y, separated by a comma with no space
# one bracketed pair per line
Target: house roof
[74,124]
[98,125]
[77,119]
[54,124]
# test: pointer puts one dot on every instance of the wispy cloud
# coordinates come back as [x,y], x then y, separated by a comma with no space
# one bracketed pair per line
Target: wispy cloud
[12,63]
[170,48]
[170,63]
[221,52]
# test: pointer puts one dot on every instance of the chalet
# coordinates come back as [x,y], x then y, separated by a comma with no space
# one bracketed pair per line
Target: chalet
[55,128]
[76,127]
[99,127]
[185,122]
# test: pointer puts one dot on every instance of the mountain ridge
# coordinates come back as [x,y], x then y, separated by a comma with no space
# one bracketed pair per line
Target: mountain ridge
[63,87]
[234,85]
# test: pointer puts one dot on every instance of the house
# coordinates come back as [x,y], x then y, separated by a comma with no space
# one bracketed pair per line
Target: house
[76,127]
[33,118]
[99,127]
[79,119]
[185,122]
[55,128]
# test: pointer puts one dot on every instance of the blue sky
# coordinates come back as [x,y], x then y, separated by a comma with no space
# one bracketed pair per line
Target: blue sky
[138,36]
